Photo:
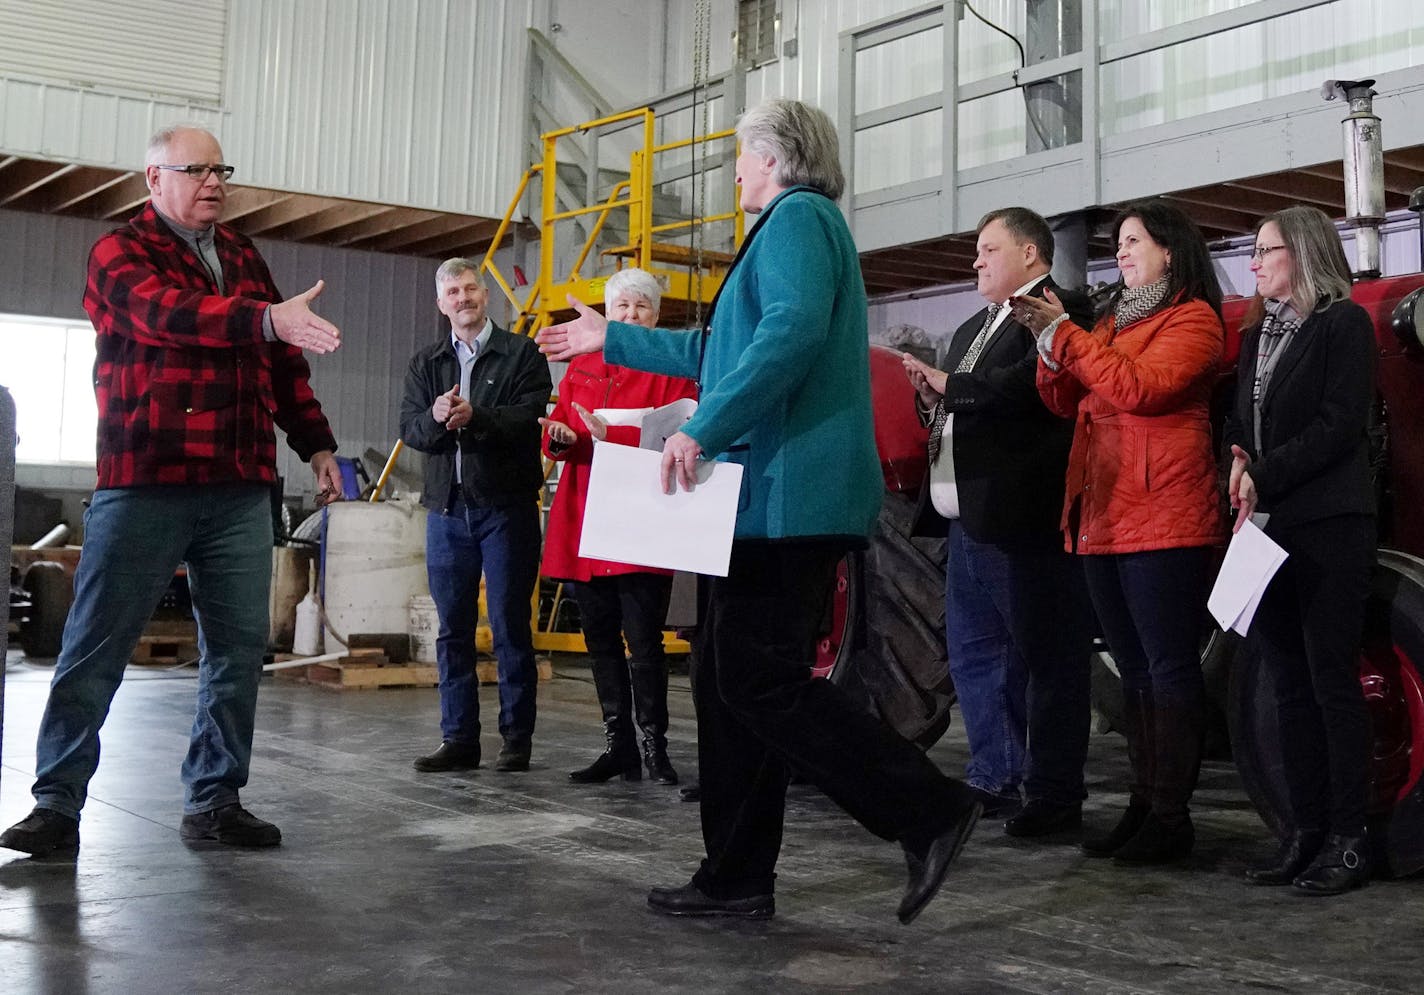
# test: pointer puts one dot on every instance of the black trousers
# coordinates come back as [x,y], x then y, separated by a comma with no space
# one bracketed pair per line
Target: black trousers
[760,715]
[1307,630]
[632,605]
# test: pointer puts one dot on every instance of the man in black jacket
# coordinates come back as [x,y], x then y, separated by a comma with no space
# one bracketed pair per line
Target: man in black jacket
[473,402]
[1016,612]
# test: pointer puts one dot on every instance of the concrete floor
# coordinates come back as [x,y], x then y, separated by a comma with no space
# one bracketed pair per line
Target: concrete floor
[393,881]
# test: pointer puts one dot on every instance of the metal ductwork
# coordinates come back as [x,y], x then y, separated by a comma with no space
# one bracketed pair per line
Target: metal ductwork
[1364,170]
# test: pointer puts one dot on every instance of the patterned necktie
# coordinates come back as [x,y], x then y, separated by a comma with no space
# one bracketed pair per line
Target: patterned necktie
[966,364]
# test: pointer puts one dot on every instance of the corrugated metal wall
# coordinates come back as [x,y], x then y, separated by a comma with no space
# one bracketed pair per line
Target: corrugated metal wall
[384,305]
[413,102]
[410,102]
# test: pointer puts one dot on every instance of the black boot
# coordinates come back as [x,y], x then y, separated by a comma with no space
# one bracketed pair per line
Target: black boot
[1294,856]
[1137,729]
[1178,730]
[1342,865]
[650,683]
[620,757]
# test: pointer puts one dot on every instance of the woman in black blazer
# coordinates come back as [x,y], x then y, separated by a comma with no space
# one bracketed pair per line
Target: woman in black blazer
[1299,446]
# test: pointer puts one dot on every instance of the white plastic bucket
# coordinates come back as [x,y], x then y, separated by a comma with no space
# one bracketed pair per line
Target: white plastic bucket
[423,628]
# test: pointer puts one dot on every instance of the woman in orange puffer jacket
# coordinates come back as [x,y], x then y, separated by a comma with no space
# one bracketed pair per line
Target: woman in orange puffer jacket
[1141,502]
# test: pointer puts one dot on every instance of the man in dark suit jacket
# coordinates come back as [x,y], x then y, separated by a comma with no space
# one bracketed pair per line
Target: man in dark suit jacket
[1016,615]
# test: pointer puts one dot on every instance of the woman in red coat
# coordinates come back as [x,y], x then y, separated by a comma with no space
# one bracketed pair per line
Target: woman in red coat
[614,599]
[1141,502]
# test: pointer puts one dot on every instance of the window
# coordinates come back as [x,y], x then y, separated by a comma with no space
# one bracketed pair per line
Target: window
[756,31]
[49,369]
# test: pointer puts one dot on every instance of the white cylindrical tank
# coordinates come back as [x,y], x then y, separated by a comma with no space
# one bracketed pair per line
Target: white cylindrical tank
[424,628]
[374,563]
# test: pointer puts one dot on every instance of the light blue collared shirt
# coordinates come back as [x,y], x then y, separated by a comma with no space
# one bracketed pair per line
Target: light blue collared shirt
[467,354]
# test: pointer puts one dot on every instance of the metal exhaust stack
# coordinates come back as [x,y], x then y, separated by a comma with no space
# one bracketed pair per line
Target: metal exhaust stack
[1364,170]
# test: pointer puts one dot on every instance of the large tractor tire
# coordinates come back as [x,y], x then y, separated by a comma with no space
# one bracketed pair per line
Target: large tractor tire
[1394,692]
[890,651]
[51,593]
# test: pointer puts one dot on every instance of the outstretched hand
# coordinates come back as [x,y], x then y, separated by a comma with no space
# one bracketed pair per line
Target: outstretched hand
[295,323]
[574,337]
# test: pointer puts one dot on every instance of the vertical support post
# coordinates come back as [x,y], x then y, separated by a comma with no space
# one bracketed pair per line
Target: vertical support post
[7,525]
[953,13]
[845,122]
[1053,107]
[548,176]
[1092,110]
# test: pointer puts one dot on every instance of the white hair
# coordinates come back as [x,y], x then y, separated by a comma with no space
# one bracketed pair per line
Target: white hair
[634,281]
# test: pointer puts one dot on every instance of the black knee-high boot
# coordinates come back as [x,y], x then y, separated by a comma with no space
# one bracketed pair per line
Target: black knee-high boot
[1138,719]
[1179,727]
[650,683]
[620,755]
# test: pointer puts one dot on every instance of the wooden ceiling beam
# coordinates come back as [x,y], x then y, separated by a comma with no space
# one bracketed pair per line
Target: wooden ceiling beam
[283,212]
[338,215]
[401,240]
[119,199]
[243,202]
[384,223]
[27,176]
[1298,188]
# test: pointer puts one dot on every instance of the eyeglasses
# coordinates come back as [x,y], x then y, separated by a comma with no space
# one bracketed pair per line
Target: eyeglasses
[1262,251]
[199,171]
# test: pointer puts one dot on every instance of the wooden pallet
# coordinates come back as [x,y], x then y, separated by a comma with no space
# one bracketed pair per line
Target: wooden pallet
[362,669]
[488,671]
[167,643]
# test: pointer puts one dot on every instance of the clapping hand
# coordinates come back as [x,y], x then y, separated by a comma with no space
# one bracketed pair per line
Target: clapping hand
[1036,313]
[928,382]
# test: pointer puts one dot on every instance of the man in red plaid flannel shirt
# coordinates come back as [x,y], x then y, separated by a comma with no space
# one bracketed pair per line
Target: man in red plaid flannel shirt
[198,357]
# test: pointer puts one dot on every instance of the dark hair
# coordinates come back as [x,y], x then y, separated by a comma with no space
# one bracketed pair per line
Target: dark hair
[1025,226]
[1189,275]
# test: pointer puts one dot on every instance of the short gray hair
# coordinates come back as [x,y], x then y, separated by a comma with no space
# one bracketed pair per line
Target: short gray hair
[158,144]
[1321,273]
[634,281]
[801,139]
[455,267]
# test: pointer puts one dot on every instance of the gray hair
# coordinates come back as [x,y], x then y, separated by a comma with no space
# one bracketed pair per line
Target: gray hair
[634,281]
[456,267]
[158,144]
[1321,273]
[801,139]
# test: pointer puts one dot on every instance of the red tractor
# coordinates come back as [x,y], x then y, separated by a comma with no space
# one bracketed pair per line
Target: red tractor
[886,638]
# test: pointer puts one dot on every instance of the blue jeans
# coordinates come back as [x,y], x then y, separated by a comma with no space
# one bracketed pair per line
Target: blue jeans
[1017,632]
[134,539]
[503,543]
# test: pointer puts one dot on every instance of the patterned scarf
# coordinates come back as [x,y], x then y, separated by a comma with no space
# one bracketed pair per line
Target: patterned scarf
[1136,303]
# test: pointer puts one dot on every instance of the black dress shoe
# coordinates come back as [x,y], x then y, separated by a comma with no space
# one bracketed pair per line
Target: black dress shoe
[512,757]
[1157,842]
[1341,865]
[1041,818]
[450,756]
[996,806]
[1107,844]
[1294,856]
[690,900]
[44,833]
[929,863]
[660,768]
[690,792]
[232,825]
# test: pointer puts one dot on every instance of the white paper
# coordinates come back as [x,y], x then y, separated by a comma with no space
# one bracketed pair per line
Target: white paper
[628,519]
[622,416]
[1251,561]
[660,424]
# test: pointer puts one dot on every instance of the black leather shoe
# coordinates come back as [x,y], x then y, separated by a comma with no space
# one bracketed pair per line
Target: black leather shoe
[929,863]
[996,806]
[44,833]
[690,792]
[1295,854]
[1107,844]
[512,757]
[450,756]
[606,767]
[1341,865]
[1157,842]
[690,900]
[231,824]
[1041,818]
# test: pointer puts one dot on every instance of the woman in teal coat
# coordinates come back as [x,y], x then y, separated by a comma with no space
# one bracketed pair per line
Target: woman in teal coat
[786,393]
